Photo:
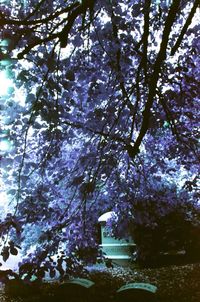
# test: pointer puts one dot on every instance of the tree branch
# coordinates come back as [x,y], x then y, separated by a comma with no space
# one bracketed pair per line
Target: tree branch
[145,35]
[26,22]
[185,27]
[36,9]
[96,132]
[155,76]
[38,42]
[126,99]
[81,9]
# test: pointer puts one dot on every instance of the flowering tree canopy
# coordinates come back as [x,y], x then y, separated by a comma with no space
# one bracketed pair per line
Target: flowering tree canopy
[102,109]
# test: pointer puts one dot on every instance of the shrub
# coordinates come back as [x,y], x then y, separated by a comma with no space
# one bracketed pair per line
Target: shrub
[165,223]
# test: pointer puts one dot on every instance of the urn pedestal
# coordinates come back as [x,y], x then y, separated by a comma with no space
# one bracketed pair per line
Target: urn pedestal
[119,251]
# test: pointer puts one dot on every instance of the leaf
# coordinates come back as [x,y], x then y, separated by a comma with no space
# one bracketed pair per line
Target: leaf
[70,75]
[11,192]
[30,98]
[87,188]
[52,273]
[136,10]
[5,253]
[25,268]
[40,273]
[13,251]
[77,180]
[77,41]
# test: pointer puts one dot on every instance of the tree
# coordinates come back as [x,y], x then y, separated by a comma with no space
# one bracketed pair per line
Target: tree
[103,109]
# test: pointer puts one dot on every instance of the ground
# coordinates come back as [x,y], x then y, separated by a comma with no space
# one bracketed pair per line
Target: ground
[175,283]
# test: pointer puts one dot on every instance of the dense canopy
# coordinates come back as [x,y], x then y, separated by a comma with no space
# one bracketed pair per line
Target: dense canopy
[100,114]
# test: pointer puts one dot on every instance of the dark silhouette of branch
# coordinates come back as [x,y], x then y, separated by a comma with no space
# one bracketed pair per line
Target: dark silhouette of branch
[80,10]
[143,63]
[145,35]
[179,136]
[126,99]
[78,125]
[63,36]
[25,145]
[185,27]
[38,42]
[36,9]
[26,22]
[155,76]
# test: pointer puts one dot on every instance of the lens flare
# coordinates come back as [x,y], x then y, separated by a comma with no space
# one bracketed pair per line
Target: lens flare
[5,83]
[5,145]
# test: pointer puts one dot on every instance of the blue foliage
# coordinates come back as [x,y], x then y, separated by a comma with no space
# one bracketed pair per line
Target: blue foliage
[101,117]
